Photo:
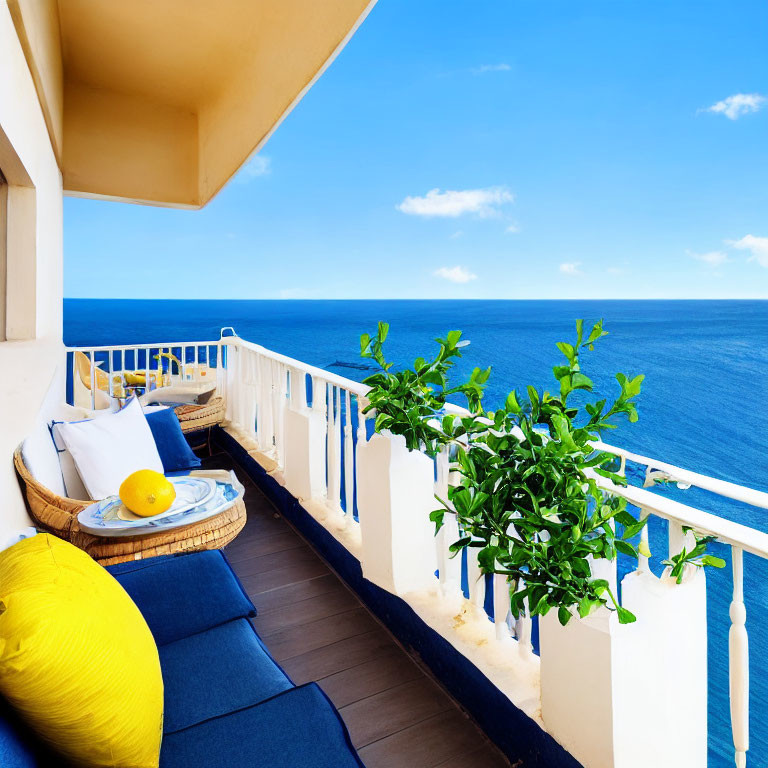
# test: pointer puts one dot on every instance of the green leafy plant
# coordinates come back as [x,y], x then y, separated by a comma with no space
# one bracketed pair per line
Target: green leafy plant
[408,401]
[528,494]
[696,556]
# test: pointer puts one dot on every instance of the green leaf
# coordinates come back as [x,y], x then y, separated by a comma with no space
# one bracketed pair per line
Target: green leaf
[579,331]
[563,615]
[512,405]
[712,561]
[625,616]
[453,338]
[567,350]
[580,381]
[457,546]
[437,518]
[587,605]
[596,333]
[625,548]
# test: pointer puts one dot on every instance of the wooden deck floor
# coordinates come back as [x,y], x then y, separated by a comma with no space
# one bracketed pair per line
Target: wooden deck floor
[317,629]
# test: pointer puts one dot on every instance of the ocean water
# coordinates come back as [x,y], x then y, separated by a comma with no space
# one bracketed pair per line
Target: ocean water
[704,404]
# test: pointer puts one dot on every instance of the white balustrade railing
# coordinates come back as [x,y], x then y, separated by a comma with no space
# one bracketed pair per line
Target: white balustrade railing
[101,376]
[261,386]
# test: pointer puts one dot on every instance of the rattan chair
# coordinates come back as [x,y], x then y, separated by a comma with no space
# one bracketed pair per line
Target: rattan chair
[58,515]
[196,417]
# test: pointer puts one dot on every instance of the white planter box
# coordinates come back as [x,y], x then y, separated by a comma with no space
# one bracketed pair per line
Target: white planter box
[304,470]
[633,695]
[395,497]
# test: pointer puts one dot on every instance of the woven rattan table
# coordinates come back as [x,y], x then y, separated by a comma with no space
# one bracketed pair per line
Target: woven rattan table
[58,515]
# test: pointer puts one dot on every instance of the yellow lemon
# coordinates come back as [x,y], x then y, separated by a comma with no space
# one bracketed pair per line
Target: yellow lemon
[147,493]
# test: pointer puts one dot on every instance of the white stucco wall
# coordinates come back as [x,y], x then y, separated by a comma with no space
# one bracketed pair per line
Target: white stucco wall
[31,367]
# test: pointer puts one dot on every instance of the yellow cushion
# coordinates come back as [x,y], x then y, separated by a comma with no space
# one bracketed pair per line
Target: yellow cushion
[77,659]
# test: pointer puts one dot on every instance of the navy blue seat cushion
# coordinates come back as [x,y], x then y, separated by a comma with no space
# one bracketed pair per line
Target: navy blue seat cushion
[172,446]
[181,595]
[215,672]
[299,728]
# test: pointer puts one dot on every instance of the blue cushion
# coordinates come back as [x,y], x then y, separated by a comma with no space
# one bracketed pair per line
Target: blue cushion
[19,747]
[172,446]
[215,672]
[184,594]
[298,729]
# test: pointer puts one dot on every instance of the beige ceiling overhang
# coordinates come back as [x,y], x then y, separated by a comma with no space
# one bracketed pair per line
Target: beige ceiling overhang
[164,100]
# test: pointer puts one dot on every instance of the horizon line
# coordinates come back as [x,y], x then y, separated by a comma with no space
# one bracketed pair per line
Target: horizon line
[588,298]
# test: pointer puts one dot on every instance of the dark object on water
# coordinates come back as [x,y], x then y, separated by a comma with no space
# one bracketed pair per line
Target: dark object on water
[356,366]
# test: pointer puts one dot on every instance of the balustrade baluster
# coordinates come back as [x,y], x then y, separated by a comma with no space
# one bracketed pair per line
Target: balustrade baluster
[147,369]
[501,606]
[643,564]
[296,385]
[524,628]
[233,379]
[93,380]
[441,542]
[260,415]
[280,399]
[266,433]
[334,459]
[252,393]
[449,567]
[349,458]
[738,652]
[475,578]
[228,377]
[362,437]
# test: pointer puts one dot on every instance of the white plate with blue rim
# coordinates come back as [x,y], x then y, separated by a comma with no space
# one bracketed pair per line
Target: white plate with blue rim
[111,517]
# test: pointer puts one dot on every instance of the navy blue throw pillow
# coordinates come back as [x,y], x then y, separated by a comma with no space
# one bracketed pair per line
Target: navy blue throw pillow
[172,446]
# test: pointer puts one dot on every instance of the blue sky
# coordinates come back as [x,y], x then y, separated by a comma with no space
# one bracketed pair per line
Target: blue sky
[519,149]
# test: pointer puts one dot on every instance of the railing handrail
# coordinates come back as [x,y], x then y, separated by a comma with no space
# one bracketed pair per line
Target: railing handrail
[722,488]
[128,347]
[743,493]
[729,532]
[355,387]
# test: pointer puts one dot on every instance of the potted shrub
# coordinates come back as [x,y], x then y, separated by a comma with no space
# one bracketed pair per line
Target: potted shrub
[396,466]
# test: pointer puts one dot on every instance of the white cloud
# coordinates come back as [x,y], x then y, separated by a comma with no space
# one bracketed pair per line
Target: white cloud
[615,271]
[512,229]
[712,258]
[453,203]
[455,274]
[457,234]
[571,268]
[483,68]
[258,165]
[757,246]
[737,105]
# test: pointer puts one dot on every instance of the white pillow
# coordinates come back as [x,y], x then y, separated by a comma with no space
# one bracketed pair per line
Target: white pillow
[73,484]
[42,461]
[44,458]
[108,449]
